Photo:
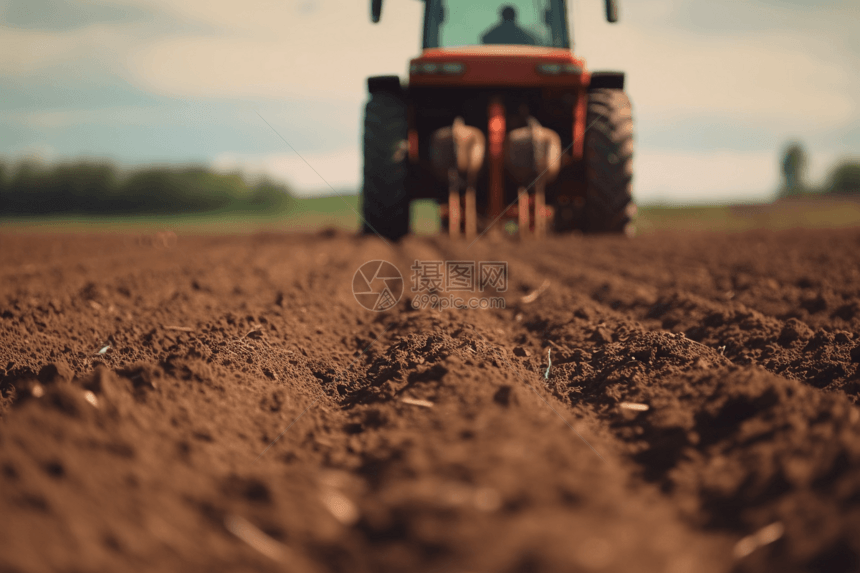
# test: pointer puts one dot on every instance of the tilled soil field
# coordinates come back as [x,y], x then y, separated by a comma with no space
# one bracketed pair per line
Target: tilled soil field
[673,403]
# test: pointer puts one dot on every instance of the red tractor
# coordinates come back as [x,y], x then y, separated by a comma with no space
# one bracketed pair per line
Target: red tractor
[498,106]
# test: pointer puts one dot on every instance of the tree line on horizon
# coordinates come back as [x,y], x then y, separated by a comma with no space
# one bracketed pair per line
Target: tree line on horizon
[101,188]
[844,177]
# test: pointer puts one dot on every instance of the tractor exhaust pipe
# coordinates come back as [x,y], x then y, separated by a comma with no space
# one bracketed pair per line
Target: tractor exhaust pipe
[611,11]
[376,10]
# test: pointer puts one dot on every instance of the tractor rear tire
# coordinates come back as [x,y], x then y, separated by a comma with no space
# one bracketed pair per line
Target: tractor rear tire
[608,204]
[385,199]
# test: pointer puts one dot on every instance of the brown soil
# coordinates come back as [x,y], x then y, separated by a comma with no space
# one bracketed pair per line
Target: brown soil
[157,454]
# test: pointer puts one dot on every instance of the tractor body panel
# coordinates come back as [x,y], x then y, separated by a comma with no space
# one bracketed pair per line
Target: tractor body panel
[498,65]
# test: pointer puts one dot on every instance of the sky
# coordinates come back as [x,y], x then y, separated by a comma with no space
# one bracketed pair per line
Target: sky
[718,86]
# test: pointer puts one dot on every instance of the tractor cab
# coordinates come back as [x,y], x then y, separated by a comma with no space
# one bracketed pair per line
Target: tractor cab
[455,23]
[503,71]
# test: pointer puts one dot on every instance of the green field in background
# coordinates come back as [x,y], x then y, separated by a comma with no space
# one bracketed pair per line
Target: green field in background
[341,212]
[308,214]
[810,213]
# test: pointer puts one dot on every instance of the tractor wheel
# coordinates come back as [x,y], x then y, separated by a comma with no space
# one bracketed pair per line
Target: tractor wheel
[608,204]
[385,200]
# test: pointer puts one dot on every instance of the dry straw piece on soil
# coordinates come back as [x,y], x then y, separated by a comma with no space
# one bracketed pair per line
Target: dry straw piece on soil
[416,402]
[634,406]
[340,506]
[764,536]
[548,365]
[532,296]
[256,538]
[91,398]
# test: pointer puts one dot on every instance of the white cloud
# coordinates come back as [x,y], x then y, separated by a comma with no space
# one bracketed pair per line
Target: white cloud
[764,78]
[328,52]
[339,169]
[27,52]
[120,116]
[275,49]
[716,177]
[39,153]
[697,177]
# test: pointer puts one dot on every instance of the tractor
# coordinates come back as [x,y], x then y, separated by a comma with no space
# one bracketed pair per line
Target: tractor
[500,124]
